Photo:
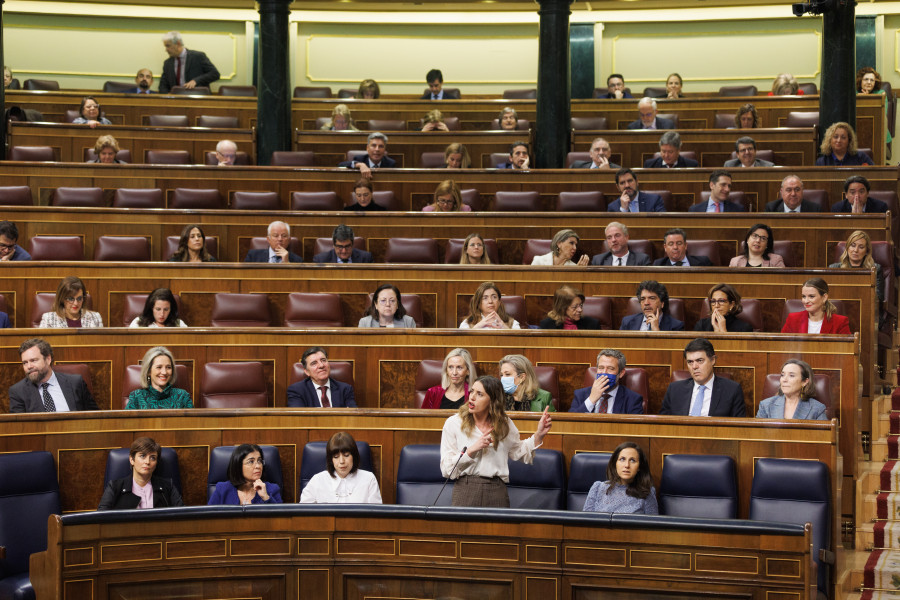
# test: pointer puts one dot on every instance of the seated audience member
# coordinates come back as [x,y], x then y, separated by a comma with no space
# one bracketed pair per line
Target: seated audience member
[647,109]
[759,246]
[746,150]
[796,395]
[631,199]
[368,90]
[839,148]
[868,81]
[675,245]
[69,308]
[7,77]
[486,311]
[509,119]
[447,198]
[226,153]
[433,121]
[521,387]
[245,484]
[375,157]
[619,254]
[724,307]
[142,489]
[343,250]
[106,148]
[160,310]
[704,395]
[858,255]
[342,481]
[5,323]
[9,248]
[674,84]
[820,315]
[792,198]
[143,81]
[157,383]
[654,316]
[458,373]
[606,396]
[669,154]
[568,311]
[600,153]
[615,85]
[435,80]
[278,235]
[562,251]
[89,113]
[856,198]
[747,117]
[628,487]
[456,157]
[478,442]
[192,246]
[341,120]
[318,390]
[719,188]
[786,85]
[473,251]
[43,389]
[387,309]
[518,157]
[364,191]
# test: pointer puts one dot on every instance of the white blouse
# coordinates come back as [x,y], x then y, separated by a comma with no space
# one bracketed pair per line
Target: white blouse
[356,488]
[487,461]
[814,326]
[465,325]
[547,260]
[134,323]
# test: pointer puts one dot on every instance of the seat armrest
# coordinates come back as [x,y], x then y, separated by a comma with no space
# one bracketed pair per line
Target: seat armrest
[826,556]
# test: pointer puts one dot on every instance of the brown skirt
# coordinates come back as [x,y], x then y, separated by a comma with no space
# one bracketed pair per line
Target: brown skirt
[474,490]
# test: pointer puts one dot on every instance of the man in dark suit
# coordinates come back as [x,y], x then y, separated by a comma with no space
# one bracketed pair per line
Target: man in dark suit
[704,395]
[318,389]
[143,79]
[42,389]
[675,245]
[631,198]
[10,250]
[745,147]
[670,154]
[856,198]
[436,91]
[654,316]
[518,157]
[647,109]
[792,198]
[374,158]
[600,153]
[343,251]
[615,85]
[719,188]
[619,254]
[187,68]
[607,395]
[279,237]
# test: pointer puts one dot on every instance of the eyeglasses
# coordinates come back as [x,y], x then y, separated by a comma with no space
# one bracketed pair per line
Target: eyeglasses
[761,238]
[72,300]
[387,301]
[719,301]
[7,246]
[253,462]
[342,246]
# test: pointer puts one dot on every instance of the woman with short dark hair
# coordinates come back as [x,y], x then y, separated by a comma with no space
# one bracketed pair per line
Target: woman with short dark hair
[141,489]
[342,481]
[245,484]
[68,309]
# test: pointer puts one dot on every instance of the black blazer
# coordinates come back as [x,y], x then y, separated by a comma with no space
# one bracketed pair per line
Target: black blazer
[682,162]
[584,323]
[118,495]
[303,393]
[356,256]
[197,67]
[660,124]
[386,162]
[448,95]
[805,206]
[694,261]
[635,259]
[727,399]
[261,255]
[24,396]
[586,164]
[732,324]
[873,205]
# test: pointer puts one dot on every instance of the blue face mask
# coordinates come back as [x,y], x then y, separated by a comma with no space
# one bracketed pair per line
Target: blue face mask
[610,376]
[509,384]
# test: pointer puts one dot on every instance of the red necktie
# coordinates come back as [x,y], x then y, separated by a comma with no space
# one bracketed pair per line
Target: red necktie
[177,70]
[718,207]
[604,404]
[325,402]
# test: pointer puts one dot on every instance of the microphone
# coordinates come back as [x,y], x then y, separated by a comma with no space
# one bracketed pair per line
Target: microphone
[448,475]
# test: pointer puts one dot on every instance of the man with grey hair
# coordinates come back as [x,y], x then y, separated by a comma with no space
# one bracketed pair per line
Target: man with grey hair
[745,147]
[279,238]
[669,154]
[619,255]
[226,153]
[374,158]
[608,394]
[647,110]
[792,198]
[187,68]
[600,153]
[343,251]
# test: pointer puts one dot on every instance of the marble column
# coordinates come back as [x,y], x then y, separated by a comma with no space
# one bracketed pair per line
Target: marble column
[837,96]
[552,132]
[273,121]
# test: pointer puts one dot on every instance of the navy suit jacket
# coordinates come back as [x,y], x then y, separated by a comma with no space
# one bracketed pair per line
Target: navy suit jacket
[448,95]
[304,393]
[694,261]
[666,323]
[728,205]
[682,162]
[646,203]
[608,96]
[660,124]
[386,162]
[24,396]
[873,205]
[261,255]
[806,206]
[137,90]
[727,399]
[626,402]
[197,67]
[586,164]
[356,256]
[635,259]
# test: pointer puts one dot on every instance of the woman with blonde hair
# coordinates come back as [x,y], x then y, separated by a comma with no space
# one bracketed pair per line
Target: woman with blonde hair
[567,311]
[458,373]
[474,251]
[105,149]
[456,157]
[433,121]
[158,377]
[562,250]
[341,120]
[486,311]
[786,85]
[520,385]
[858,255]
[673,86]
[839,148]
[447,198]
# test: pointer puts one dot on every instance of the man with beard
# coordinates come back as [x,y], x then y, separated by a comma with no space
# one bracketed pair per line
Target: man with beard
[143,79]
[43,390]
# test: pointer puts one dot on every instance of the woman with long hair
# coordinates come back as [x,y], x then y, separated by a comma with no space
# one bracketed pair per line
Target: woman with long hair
[628,487]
